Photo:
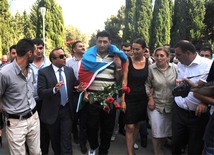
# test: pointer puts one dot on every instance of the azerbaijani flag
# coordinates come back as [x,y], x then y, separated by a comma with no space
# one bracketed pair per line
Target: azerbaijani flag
[89,67]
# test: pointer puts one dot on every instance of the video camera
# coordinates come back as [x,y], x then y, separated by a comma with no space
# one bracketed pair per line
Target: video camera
[182,89]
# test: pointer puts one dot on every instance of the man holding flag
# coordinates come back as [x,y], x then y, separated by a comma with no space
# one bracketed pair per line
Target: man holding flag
[101,66]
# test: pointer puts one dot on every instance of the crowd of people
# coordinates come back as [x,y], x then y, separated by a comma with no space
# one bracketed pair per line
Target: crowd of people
[47,100]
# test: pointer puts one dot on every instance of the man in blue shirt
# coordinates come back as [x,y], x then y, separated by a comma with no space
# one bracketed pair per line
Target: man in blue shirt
[40,61]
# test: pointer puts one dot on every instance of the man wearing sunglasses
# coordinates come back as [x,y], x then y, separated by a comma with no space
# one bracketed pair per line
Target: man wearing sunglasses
[56,84]
[40,61]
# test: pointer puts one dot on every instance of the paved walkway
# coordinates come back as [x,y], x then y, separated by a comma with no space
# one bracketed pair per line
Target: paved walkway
[118,147]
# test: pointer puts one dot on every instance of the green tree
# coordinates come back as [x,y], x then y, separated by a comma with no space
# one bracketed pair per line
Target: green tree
[74,34]
[129,30]
[18,26]
[114,25]
[209,22]
[93,40]
[188,21]
[54,23]
[197,13]
[160,26]
[143,16]
[28,30]
[36,19]
[5,26]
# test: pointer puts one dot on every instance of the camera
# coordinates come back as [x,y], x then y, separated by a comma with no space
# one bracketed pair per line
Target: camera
[182,89]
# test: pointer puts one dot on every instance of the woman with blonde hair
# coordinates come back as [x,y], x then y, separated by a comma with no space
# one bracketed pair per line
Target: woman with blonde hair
[160,82]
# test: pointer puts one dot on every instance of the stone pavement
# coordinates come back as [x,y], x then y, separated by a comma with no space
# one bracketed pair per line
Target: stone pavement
[118,147]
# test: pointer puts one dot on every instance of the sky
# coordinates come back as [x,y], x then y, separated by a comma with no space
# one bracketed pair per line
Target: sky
[87,15]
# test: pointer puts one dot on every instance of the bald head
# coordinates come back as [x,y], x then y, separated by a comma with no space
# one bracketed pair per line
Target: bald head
[4,59]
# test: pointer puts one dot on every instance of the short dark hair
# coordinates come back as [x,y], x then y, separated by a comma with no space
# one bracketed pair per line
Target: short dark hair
[23,46]
[141,42]
[103,34]
[38,41]
[12,47]
[185,46]
[74,44]
[206,49]
[52,55]
[126,45]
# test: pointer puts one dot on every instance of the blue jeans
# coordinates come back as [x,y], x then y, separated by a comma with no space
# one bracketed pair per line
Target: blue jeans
[208,150]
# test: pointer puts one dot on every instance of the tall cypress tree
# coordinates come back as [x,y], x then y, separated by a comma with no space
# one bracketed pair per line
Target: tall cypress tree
[143,14]
[196,11]
[209,22]
[188,20]
[160,26]
[18,26]
[129,31]
[28,30]
[5,26]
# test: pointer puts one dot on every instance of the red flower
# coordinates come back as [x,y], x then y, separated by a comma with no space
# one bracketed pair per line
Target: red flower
[106,109]
[126,89]
[117,106]
[110,99]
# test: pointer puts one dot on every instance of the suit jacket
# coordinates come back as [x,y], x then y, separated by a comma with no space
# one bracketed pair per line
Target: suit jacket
[51,102]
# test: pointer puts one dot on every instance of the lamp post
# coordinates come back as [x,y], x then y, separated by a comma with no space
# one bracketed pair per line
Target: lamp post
[43,11]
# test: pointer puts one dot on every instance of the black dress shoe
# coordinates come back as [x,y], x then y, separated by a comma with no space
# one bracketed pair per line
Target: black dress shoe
[83,148]
[144,142]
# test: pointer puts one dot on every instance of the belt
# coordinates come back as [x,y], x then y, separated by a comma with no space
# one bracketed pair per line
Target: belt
[186,110]
[28,115]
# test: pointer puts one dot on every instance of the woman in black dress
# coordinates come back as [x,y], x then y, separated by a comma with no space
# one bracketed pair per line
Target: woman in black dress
[135,103]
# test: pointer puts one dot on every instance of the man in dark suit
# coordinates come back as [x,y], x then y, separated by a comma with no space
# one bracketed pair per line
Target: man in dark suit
[56,84]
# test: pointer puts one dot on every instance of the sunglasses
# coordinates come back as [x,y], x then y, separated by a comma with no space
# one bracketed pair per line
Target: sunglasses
[61,56]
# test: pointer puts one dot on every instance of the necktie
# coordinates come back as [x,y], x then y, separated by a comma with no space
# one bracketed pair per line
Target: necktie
[63,92]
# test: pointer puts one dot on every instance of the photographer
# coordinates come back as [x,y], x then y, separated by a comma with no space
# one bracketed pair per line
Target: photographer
[190,116]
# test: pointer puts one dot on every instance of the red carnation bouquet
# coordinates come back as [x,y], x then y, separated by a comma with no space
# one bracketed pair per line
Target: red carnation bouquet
[107,98]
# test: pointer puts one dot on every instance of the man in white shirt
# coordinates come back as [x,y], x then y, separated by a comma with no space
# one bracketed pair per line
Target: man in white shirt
[190,115]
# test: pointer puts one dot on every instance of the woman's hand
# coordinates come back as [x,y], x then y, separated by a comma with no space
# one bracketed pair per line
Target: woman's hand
[151,104]
[123,106]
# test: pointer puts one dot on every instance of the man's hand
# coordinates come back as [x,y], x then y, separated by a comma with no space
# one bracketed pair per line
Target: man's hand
[80,87]
[201,108]
[58,86]
[85,98]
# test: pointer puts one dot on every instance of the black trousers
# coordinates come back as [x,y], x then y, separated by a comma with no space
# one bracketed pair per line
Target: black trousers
[60,132]
[1,121]
[80,117]
[100,122]
[44,135]
[122,121]
[186,127]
